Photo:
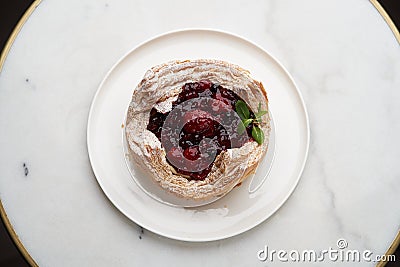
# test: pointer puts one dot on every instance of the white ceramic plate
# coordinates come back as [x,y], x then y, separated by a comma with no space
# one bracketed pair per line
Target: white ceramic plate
[238,211]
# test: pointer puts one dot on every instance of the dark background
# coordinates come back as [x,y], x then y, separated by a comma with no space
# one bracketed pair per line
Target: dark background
[10,13]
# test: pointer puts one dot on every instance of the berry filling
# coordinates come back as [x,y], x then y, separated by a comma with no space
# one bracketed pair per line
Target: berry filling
[202,123]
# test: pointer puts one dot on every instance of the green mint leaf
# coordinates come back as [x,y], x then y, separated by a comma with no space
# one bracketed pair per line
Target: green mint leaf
[260,113]
[242,125]
[241,128]
[242,110]
[247,122]
[258,134]
[259,107]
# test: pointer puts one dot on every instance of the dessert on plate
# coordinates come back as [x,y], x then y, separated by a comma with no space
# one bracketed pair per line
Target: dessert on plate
[198,127]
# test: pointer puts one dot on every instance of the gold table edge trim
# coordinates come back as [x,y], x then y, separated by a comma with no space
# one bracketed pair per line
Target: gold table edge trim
[16,31]
[387,18]
[3,57]
[392,26]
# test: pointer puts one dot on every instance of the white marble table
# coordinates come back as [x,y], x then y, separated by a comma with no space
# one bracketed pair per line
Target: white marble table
[342,55]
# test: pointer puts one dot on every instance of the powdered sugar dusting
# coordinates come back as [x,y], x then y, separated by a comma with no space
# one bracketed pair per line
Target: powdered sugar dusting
[159,89]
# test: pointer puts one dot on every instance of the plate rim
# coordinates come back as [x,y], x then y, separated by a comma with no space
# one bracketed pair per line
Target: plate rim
[187,238]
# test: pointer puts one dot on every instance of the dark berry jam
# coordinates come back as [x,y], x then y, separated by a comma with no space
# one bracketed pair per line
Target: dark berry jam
[202,123]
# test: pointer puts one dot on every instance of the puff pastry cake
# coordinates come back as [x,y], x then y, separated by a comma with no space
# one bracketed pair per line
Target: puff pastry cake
[198,127]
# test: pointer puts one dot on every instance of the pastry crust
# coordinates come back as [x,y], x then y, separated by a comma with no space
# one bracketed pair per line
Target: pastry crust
[159,88]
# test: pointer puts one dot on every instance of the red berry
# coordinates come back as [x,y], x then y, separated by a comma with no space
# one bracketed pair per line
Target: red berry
[186,87]
[189,95]
[219,106]
[219,96]
[201,175]
[194,114]
[192,153]
[205,84]
[228,94]
[224,140]
[203,126]
[186,142]
[208,148]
